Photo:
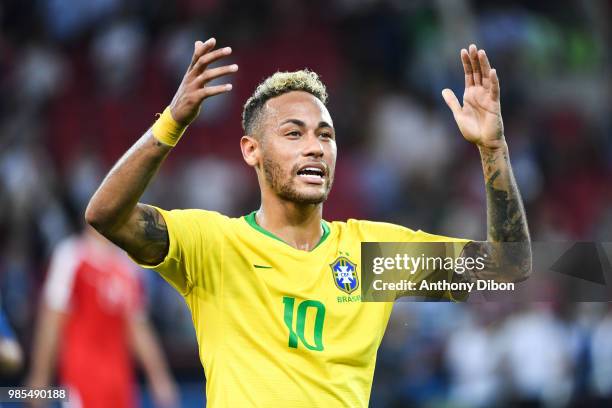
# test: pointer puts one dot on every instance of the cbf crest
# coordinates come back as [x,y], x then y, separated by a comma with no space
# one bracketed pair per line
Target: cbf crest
[345,274]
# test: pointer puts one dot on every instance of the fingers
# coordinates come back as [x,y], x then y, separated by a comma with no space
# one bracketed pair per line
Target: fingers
[484,64]
[200,48]
[467,68]
[209,58]
[210,74]
[213,90]
[199,74]
[452,101]
[476,67]
[187,100]
[494,85]
[473,53]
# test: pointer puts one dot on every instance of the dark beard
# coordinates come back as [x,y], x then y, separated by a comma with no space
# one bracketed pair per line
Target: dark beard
[286,190]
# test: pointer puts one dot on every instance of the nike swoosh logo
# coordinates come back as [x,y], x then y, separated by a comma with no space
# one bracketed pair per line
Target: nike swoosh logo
[262,266]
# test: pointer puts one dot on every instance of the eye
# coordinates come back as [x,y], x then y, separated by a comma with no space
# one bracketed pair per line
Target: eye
[327,135]
[294,133]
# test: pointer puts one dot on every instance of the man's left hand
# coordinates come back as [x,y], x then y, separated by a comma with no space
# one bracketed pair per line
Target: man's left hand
[479,119]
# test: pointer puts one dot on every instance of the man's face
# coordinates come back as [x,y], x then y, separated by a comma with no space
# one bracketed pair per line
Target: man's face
[298,147]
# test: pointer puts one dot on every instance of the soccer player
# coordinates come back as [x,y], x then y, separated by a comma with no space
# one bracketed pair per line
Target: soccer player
[275,323]
[92,321]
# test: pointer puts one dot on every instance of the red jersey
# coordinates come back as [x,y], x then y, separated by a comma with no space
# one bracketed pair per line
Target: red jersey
[99,290]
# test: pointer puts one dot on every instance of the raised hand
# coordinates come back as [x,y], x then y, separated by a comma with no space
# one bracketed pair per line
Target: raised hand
[479,119]
[185,105]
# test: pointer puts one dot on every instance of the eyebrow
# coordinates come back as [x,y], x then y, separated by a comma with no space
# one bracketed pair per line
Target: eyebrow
[302,124]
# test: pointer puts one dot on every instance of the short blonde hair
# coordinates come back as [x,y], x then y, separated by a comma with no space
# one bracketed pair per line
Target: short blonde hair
[278,84]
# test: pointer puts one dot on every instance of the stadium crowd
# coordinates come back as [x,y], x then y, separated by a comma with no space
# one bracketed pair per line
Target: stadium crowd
[81,80]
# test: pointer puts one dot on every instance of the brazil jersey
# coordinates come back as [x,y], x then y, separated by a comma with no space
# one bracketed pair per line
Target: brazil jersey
[277,326]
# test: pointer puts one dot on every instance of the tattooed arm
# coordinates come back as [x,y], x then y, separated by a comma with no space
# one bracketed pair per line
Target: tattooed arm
[114,209]
[505,214]
[507,250]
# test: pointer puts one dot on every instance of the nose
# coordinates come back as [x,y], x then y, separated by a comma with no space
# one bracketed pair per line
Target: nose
[313,146]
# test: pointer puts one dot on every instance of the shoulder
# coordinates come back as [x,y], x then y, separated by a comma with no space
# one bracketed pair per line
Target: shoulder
[194,217]
[198,225]
[67,250]
[193,213]
[373,230]
[66,258]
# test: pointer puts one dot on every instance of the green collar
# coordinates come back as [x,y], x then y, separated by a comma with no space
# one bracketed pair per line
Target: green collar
[250,219]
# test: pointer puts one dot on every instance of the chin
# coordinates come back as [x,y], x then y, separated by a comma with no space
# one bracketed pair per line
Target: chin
[309,198]
[313,197]
[303,197]
[304,194]
[313,200]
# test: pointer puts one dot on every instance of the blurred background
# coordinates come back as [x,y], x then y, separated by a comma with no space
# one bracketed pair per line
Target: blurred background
[82,80]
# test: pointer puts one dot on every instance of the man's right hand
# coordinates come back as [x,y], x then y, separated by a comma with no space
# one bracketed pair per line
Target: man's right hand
[114,209]
[185,105]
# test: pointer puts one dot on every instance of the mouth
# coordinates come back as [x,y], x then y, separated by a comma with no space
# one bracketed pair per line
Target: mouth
[312,173]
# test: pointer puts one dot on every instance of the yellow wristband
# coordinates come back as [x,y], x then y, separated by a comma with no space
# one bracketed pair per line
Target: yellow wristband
[166,129]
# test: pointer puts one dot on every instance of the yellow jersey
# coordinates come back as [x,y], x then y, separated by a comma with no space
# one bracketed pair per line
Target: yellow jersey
[277,326]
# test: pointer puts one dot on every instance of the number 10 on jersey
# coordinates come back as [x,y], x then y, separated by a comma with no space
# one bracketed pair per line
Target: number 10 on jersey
[297,334]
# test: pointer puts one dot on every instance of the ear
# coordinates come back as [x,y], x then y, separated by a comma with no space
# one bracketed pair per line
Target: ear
[250,150]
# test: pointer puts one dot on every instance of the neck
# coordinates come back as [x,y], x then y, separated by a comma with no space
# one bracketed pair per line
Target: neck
[299,225]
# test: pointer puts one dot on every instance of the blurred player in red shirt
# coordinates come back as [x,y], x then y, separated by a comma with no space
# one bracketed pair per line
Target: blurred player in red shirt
[92,318]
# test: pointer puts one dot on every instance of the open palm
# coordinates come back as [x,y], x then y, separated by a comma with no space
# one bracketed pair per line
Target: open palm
[479,119]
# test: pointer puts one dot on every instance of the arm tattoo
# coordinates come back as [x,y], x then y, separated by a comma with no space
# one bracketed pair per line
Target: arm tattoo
[154,242]
[503,261]
[505,214]
[153,230]
[507,250]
